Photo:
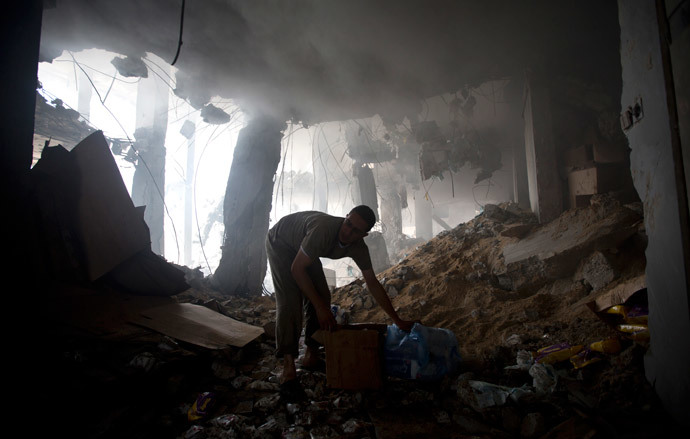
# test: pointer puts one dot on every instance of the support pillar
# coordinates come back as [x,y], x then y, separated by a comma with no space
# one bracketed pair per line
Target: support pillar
[422,217]
[365,187]
[546,198]
[247,207]
[319,157]
[520,185]
[391,214]
[148,185]
[189,132]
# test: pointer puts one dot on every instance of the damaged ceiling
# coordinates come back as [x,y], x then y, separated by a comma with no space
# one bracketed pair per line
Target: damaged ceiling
[314,61]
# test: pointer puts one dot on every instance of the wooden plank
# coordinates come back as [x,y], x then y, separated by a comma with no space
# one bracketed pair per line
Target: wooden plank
[198,325]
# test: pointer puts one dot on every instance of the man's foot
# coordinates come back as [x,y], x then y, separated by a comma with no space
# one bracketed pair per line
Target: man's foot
[312,360]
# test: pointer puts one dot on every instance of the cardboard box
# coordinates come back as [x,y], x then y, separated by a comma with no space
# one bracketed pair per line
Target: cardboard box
[354,357]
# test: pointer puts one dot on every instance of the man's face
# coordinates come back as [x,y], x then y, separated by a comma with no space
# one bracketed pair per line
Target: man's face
[353,229]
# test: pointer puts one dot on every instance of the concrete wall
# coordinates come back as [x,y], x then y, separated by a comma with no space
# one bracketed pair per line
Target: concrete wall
[656,178]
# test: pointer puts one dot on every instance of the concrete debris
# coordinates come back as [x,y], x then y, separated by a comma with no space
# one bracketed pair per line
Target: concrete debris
[597,271]
[214,115]
[504,297]
[130,67]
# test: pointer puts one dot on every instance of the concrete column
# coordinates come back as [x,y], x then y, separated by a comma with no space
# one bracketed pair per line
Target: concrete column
[189,131]
[247,207]
[320,156]
[365,187]
[148,185]
[520,184]
[656,166]
[391,215]
[422,216]
[545,192]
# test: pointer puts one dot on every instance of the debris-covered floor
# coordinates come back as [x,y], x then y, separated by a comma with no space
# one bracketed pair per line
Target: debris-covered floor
[506,286]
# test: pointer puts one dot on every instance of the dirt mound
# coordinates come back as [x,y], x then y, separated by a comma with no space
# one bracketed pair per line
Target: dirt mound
[502,280]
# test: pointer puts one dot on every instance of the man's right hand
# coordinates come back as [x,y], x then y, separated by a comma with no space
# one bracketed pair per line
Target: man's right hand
[326,318]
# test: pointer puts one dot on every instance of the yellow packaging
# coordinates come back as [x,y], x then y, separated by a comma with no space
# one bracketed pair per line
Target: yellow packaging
[635,331]
[584,358]
[555,353]
[610,346]
[201,406]
[617,309]
[636,315]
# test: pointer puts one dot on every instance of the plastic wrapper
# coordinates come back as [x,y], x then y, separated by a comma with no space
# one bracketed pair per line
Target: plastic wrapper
[544,378]
[556,353]
[631,314]
[635,332]
[490,395]
[424,353]
[608,346]
[201,407]
[584,358]
[637,315]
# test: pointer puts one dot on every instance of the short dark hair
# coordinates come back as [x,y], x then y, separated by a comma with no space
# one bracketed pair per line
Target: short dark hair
[366,213]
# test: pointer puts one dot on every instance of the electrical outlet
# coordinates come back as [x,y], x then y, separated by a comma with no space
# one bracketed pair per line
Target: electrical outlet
[637,110]
[632,115]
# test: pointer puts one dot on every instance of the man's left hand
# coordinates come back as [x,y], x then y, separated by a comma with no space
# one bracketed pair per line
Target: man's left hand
[406,325]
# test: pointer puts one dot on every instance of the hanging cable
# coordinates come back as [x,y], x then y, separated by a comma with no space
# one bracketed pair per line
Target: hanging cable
[179,42]
[131,143]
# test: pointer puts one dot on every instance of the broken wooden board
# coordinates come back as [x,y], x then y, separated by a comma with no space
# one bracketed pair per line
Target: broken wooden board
[198,325]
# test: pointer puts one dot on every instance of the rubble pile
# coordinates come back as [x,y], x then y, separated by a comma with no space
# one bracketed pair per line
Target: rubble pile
[515,293]
[503,281]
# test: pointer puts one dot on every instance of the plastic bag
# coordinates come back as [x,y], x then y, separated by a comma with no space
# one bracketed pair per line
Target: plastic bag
[422,354]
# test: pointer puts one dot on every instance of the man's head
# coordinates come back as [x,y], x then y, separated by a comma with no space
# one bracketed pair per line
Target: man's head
[357,224]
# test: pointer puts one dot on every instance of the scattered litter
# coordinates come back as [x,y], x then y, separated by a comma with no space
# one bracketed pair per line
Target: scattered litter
[556,353]
[584,358]
[490,395]
[544,377]
[145,361]
[202,406]
[513,340]
[195,431]
[524,360]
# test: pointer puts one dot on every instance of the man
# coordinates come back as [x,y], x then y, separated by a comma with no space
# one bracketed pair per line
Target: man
[294,246]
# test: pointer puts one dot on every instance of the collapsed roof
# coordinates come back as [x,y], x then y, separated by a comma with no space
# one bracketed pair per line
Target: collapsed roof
[314,61]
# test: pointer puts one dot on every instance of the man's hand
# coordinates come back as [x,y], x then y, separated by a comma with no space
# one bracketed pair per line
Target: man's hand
[326,318]
[406,325]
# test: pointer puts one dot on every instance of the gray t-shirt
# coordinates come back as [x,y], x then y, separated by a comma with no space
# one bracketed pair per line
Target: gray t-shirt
[316,233]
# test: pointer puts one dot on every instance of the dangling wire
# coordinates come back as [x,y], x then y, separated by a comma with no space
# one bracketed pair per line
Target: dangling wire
[179,43]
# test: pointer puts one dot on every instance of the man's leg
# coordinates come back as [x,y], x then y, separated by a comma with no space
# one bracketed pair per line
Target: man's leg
[311,355]
[288,308]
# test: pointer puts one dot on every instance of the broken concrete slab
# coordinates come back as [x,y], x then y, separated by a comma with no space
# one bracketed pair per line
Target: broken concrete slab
[554,250]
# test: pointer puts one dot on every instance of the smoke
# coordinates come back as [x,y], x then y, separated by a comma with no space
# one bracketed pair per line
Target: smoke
[315,61]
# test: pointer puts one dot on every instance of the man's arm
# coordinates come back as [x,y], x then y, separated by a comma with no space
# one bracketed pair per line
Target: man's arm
[376,290]
[299,272]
